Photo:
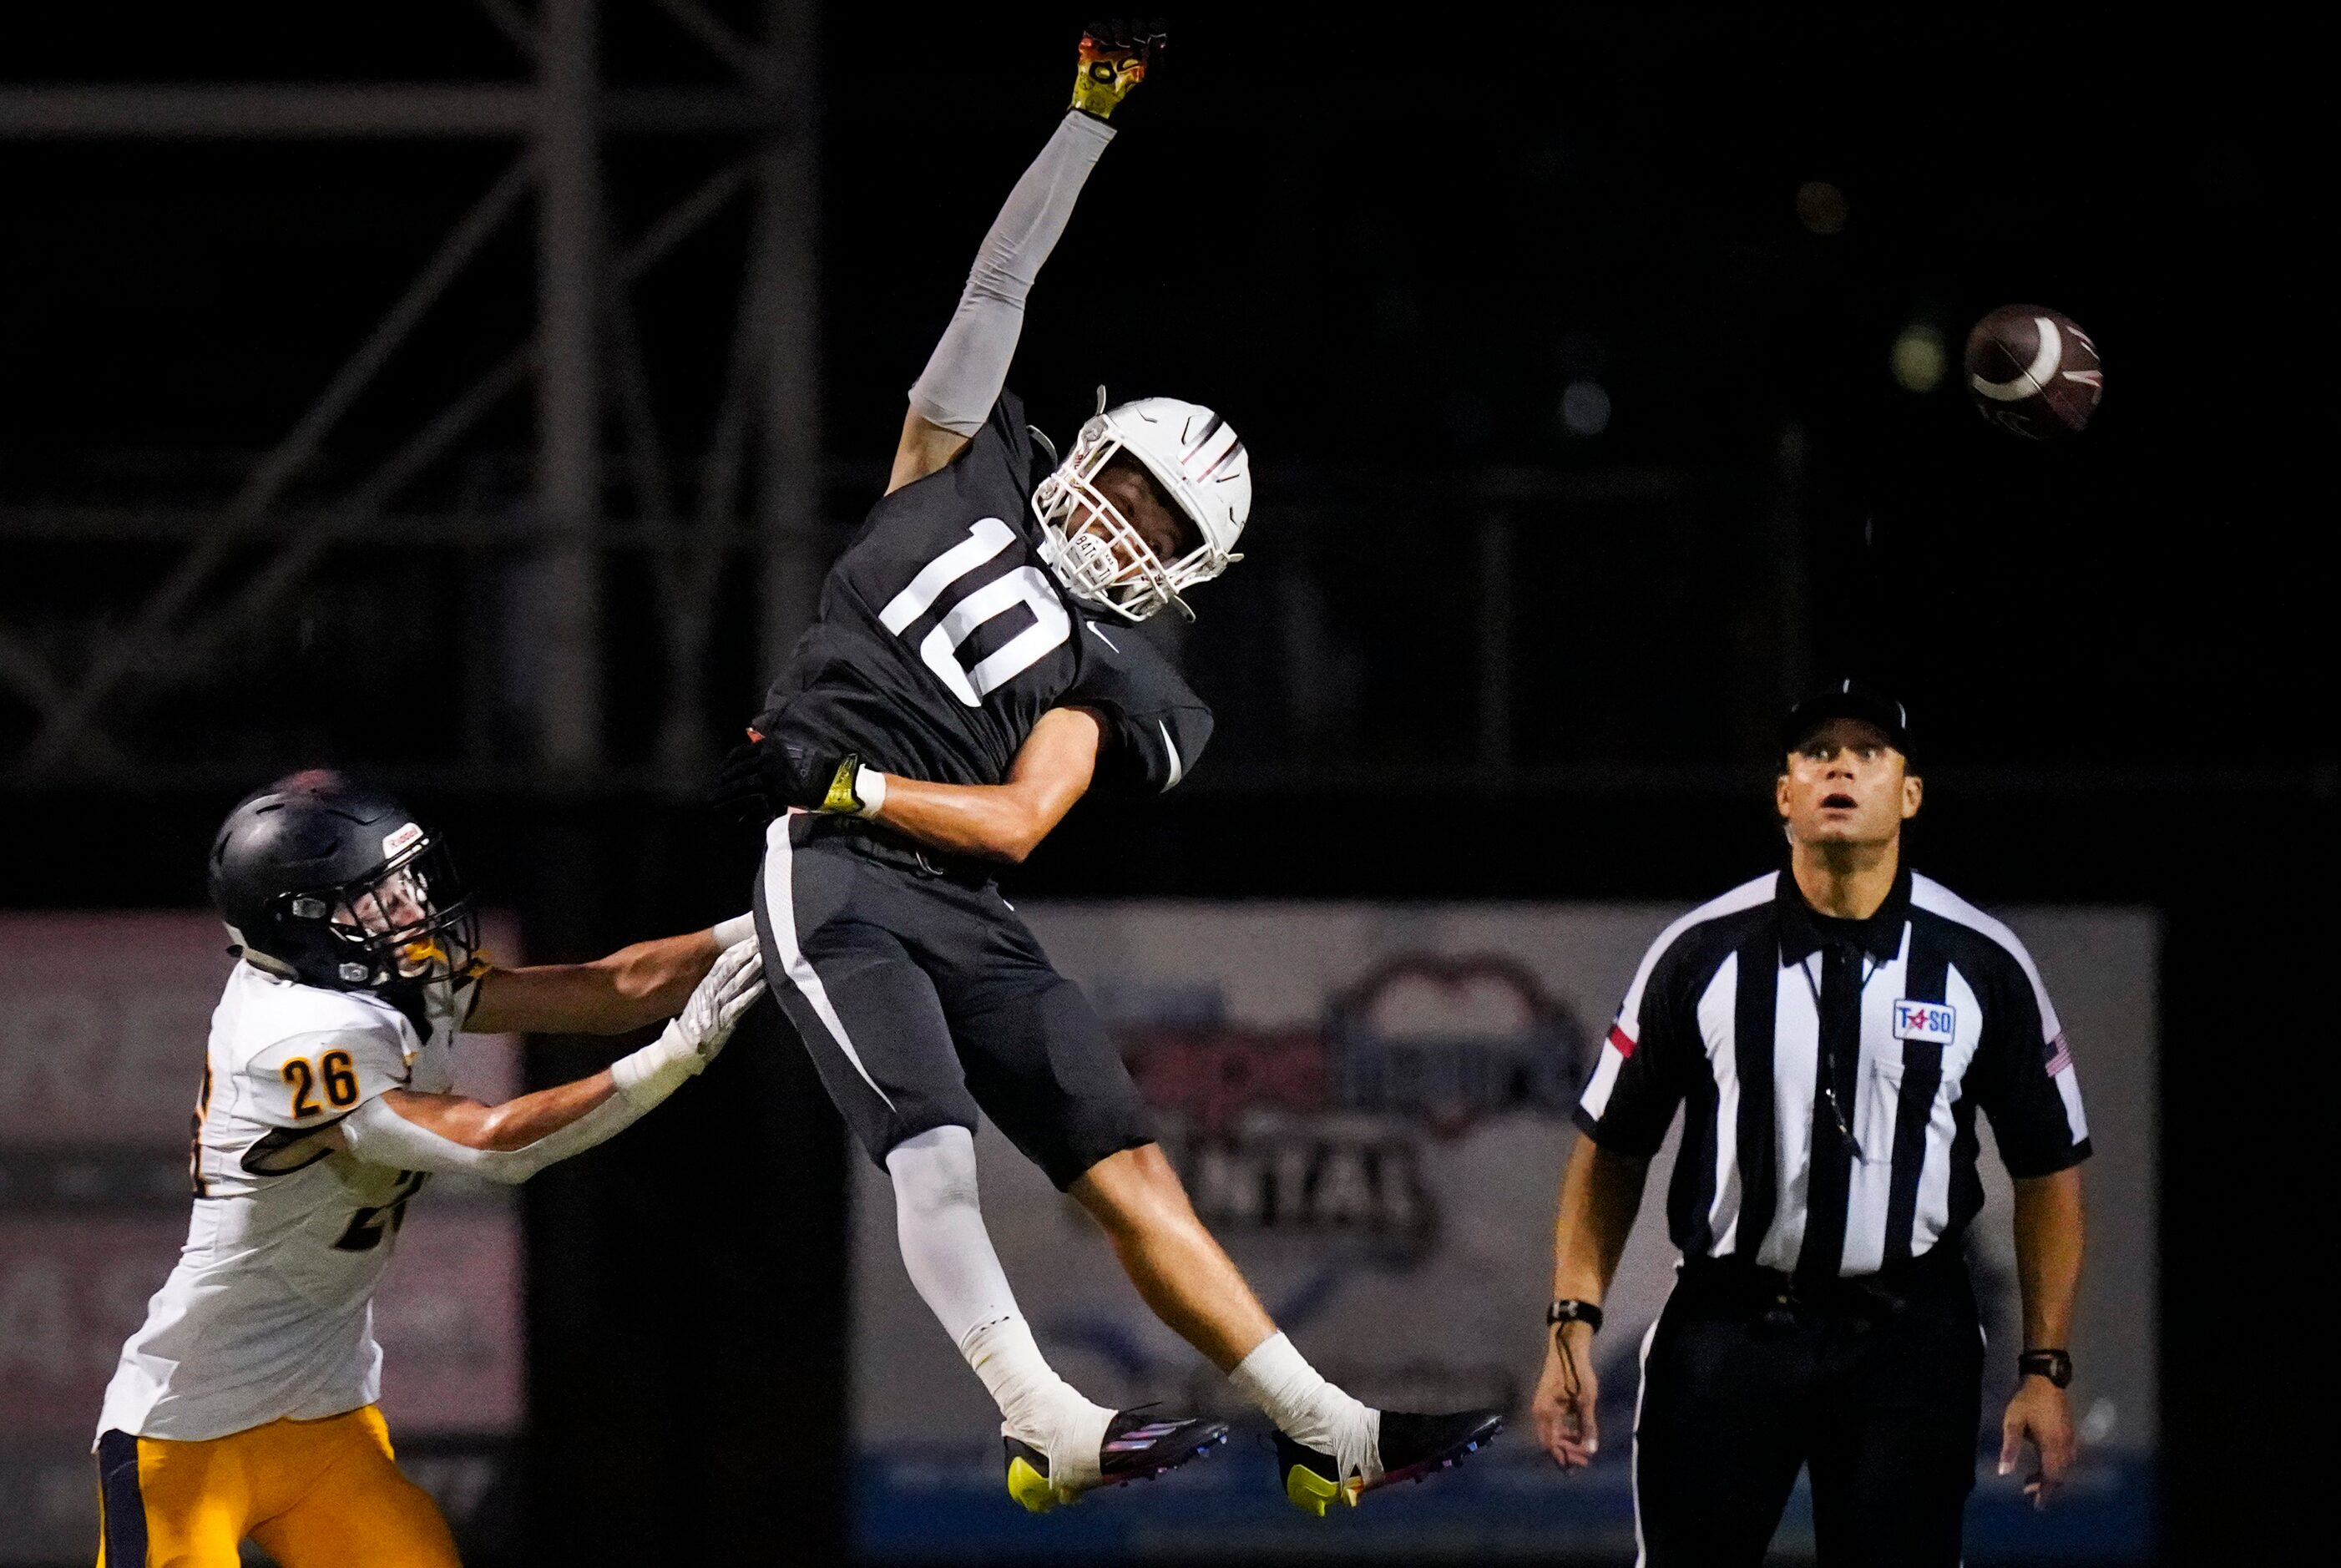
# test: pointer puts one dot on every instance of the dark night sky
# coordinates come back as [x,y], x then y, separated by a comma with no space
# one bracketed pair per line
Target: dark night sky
[1387,251]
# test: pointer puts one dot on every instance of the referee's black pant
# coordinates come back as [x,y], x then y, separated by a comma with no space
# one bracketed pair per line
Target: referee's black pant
[1875,1385]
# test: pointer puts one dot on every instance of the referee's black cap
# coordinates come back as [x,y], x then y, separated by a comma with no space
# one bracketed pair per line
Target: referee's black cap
[1847,699]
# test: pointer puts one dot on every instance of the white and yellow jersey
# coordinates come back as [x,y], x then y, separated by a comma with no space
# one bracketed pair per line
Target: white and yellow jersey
[270,1310]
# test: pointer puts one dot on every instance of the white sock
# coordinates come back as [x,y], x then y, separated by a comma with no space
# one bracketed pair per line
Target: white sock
[948,1255]
[1036,1405]
[1310,1411]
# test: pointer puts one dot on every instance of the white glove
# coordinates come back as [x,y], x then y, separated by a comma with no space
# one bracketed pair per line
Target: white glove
[696,1035]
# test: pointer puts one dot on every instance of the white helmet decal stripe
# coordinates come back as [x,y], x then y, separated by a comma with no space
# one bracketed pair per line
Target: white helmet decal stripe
[1235,450]
[1204,440]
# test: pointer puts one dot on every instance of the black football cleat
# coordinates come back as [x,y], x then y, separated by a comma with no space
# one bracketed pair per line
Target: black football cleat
[1410,1446]
[1135,1449]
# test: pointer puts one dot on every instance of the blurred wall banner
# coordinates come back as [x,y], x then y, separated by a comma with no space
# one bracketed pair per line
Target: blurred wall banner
[1370,1105]
[103,1024]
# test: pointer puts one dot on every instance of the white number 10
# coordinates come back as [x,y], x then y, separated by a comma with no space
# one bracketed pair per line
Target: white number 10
[940,648]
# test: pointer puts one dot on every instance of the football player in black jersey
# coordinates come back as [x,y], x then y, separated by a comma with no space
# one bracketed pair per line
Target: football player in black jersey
[970,675]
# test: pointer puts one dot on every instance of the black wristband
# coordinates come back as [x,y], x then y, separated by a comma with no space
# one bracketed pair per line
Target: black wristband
[2055,1365]
[1561,1312]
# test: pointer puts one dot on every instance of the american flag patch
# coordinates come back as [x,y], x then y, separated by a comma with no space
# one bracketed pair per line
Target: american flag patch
[2060,1056]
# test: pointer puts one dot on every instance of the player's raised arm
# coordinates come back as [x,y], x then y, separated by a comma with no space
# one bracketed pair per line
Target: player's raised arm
[630,988]
[963,377]
[410,1130]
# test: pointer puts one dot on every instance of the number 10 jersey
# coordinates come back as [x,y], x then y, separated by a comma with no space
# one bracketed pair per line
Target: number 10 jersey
[943,637]
[270,1310]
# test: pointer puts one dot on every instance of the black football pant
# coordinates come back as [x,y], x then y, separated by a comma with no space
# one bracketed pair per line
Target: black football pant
[1876,1388]
[925,1000]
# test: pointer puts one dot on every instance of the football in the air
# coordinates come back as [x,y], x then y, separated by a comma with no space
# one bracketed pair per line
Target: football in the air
[2031,370]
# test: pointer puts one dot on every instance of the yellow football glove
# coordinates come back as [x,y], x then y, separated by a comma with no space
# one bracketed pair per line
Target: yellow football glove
[840,795]
[1115,57]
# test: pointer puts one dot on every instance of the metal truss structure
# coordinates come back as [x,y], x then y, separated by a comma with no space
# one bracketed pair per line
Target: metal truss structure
[748,495]
[609,599]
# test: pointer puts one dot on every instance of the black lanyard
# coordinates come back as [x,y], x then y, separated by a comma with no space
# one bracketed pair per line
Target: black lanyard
[1824,1065]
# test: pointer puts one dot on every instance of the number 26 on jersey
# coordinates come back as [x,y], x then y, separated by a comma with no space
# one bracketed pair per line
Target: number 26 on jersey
[333,1073]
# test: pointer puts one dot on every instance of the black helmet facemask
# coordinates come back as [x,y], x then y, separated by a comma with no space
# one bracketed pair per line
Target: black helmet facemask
[409,924]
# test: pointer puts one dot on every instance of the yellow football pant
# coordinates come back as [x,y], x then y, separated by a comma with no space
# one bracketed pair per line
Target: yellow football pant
[316,1494]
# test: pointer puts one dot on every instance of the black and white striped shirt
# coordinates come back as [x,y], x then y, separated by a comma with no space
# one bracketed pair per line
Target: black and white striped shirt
[1924,1012]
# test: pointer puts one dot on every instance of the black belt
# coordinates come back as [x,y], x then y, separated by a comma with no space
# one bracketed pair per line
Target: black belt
[891,848]
[1736,1284]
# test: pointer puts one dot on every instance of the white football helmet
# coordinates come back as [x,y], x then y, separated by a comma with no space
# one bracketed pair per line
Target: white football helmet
[1194,456]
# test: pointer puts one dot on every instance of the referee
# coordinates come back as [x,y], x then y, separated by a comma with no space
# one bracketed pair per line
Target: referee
[1831,1031]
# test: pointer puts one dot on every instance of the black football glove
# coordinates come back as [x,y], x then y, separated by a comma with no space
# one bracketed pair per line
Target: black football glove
[1115,57]
[767,777]
[761,778]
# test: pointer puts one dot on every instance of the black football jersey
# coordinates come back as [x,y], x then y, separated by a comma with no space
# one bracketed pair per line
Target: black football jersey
[943,636]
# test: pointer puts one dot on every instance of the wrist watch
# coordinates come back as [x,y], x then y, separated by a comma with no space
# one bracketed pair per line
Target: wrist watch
[1566,1310]
[2055,1365]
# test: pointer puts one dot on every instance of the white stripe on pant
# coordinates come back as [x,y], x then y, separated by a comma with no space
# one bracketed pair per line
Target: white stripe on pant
[781,913]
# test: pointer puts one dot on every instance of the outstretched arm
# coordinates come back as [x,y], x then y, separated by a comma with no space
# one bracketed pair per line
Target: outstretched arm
[962,380]
[410,1130]
[632,987]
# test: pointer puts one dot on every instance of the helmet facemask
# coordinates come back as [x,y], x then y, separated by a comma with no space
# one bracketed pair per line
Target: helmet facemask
[409,924]
[1094,549]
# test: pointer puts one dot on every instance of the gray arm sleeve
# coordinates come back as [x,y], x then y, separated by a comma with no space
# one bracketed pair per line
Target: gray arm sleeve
[381,1136]
[965,376]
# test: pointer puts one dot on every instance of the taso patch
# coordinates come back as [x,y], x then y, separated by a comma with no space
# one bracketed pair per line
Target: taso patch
[405,838]
[1931,1021]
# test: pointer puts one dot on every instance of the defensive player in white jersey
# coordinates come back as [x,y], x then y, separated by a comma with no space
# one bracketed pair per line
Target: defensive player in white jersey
[245,1406]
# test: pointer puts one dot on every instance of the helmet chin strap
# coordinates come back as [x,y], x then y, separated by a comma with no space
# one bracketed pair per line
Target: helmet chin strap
[259,960]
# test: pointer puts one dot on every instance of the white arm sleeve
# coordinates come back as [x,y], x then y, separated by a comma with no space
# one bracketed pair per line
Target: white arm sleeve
[964,376]
[381,1136]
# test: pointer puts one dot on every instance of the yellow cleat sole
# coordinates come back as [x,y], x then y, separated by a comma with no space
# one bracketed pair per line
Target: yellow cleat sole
[1030,1487]
[1312,1494]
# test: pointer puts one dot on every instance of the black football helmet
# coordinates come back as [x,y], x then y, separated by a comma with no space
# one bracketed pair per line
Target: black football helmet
[338,885]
